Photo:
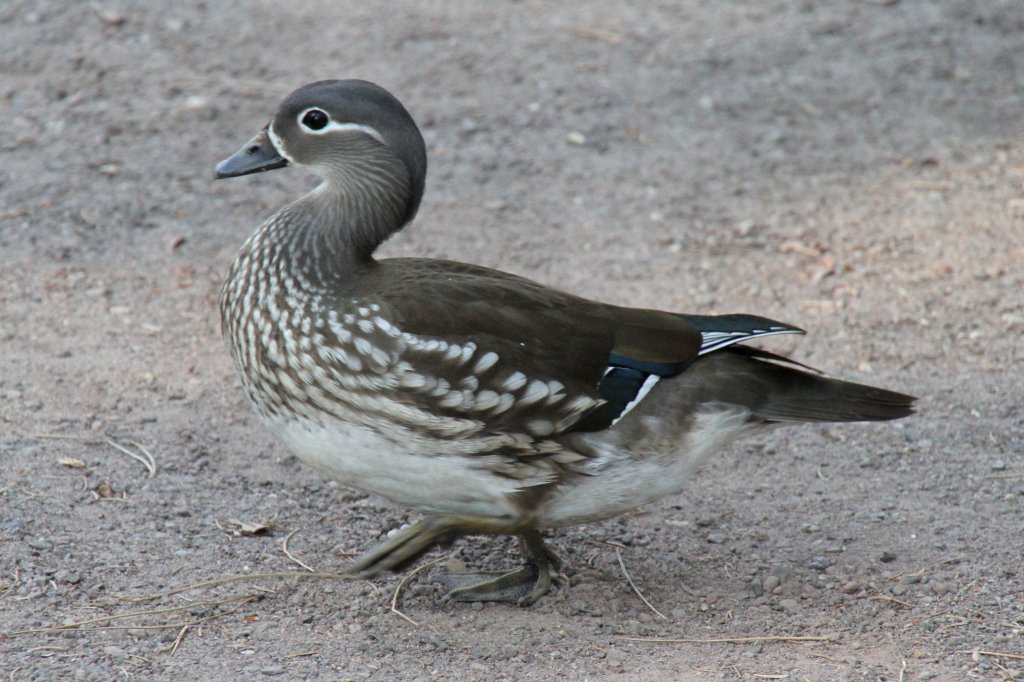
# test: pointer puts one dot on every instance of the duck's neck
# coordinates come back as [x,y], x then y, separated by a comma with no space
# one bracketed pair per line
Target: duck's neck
[334,230]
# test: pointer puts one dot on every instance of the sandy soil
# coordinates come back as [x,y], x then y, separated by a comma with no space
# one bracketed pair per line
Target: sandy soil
[852,167]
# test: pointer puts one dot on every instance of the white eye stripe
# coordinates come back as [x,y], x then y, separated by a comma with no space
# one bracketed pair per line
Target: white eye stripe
[278,144]
[334,126]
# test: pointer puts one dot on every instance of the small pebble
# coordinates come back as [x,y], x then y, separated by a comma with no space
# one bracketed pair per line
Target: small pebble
[771,582]
[613,657]
[704,520]
[851,587]
[887,556]
[115,652]
[716,538]
[819,563]
[272,670]
[1012,318]
[195,102]
[109,16]
[576,138]
[789,604]
[422,590]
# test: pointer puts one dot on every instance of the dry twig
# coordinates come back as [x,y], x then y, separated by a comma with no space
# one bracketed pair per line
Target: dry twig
[302,654]
[233,578]
[177,640]
[188,626]
[735,640]
[950,560]
[284,546]
[894,600]
[407,578]
[609,37]
[622,565]
[995,654]
[81,624]
[1002,477]
[144,456]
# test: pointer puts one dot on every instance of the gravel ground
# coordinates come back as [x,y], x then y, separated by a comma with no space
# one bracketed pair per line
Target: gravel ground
[852,167]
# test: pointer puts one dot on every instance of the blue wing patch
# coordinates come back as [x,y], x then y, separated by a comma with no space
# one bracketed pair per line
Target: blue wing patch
[622,389]
[627,381]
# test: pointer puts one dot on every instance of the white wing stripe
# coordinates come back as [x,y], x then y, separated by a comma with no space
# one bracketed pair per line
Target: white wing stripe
[648,384]
[715,340]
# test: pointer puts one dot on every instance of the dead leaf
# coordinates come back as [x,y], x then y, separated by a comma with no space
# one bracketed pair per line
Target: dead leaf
[795,246]
[249,528]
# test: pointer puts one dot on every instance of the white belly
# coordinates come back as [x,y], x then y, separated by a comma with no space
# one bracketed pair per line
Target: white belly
[458,485]
[627,482]
[363,459]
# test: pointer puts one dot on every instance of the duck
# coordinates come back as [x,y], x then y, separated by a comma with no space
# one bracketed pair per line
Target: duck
[484,402]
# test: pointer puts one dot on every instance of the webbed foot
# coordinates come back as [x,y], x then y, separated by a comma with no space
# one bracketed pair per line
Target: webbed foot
[522,586]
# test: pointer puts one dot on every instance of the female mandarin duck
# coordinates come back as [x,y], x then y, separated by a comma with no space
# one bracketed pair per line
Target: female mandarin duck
[488,402]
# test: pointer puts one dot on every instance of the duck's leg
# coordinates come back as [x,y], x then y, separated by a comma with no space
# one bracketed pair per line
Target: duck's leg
[405,546]
[521,586]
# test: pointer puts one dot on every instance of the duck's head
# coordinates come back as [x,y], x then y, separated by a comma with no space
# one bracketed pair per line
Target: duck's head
[343,131]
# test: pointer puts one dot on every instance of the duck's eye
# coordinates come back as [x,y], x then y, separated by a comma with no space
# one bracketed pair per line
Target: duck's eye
[314,119]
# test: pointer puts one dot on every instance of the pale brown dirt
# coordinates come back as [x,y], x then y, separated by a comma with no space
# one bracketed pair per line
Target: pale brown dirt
[852,167]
